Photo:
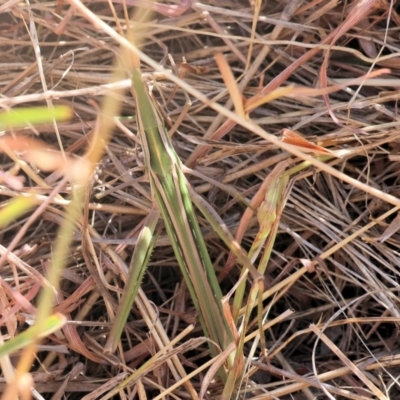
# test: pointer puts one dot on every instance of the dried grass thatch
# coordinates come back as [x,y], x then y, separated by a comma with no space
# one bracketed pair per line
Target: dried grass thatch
[342,335]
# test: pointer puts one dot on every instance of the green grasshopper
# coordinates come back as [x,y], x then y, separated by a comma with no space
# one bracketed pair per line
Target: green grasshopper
[170,189]
[173,196]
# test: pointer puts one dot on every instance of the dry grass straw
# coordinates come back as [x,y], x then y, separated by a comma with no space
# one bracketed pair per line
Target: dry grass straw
[340,217]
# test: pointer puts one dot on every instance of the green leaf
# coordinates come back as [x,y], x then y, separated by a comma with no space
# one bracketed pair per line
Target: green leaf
[51,324]
[15,209]
[21,117]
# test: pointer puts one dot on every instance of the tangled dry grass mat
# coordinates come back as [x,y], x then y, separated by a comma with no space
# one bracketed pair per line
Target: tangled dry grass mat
[329,239]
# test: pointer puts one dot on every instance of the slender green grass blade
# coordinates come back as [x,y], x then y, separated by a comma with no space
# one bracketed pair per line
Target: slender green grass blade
[15,209]
[137,268]
[50,325]
[16,118]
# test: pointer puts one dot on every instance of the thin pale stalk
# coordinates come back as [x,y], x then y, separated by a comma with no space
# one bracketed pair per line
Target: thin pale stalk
[268,215]
[270,226]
